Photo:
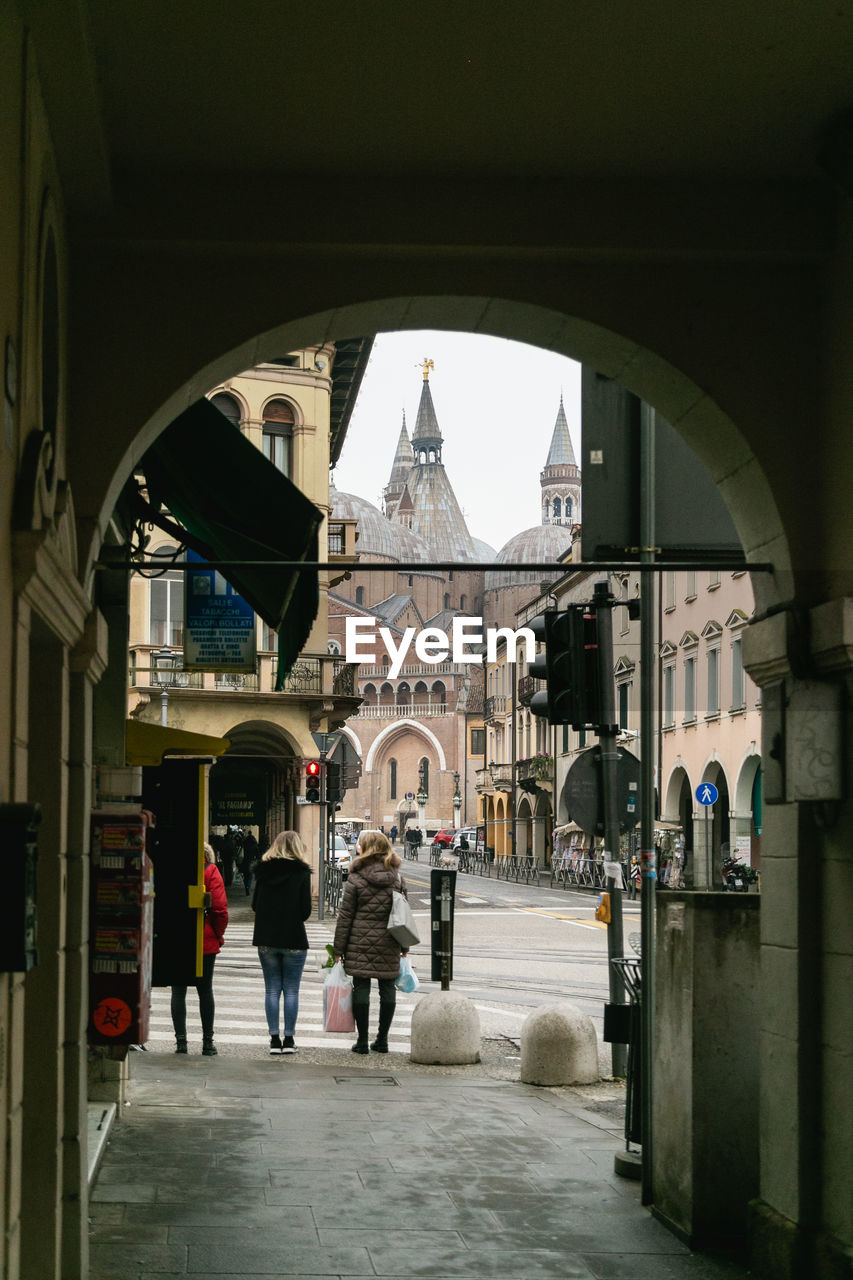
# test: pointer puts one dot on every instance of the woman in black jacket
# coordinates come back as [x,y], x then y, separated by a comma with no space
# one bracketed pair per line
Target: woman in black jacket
[282,903]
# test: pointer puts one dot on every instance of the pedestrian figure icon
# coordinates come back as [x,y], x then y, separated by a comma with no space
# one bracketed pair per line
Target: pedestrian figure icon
[707,793]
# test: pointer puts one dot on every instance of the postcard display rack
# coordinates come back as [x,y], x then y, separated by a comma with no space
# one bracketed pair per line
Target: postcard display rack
[121,929]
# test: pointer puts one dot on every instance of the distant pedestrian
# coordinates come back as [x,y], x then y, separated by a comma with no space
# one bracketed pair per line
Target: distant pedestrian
[215,923]
[362,939]
[227,854]
[282,903]
[251,855]
[394,834]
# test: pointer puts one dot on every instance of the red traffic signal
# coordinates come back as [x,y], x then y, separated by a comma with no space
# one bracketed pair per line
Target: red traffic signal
[313,773]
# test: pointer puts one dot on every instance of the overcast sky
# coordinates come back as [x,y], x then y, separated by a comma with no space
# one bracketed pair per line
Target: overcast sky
[496,402]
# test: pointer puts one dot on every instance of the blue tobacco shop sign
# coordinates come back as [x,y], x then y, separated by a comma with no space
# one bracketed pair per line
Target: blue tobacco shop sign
[219,626]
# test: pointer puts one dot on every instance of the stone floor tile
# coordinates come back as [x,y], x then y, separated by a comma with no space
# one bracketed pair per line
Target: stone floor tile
[115,1261]
[282,1259]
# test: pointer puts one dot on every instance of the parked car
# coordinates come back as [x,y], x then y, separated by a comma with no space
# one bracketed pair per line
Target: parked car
[466,833]
[341,855]
[444,838]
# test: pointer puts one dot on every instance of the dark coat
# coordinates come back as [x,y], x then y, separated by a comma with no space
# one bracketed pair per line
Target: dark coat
[216,916]
[361,934]
[281,901]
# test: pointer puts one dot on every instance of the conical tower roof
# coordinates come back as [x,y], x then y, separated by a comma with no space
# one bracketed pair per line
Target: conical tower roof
[403,458]
[426,423]
[561,452]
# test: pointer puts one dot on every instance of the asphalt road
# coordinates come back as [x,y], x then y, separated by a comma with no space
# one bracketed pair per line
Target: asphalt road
[519,946]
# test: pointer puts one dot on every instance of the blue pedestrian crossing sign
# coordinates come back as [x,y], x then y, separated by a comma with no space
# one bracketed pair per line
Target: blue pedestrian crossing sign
[707,793]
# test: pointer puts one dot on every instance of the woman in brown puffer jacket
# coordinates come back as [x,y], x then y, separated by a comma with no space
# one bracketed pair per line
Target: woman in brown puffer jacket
[362,939]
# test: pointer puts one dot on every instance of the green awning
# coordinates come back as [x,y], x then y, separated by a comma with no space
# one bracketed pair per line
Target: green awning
[235,505]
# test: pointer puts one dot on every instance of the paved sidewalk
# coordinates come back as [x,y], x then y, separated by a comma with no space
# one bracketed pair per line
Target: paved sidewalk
[246,1168]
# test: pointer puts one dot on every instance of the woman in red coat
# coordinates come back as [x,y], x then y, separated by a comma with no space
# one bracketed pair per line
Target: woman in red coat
[215,922]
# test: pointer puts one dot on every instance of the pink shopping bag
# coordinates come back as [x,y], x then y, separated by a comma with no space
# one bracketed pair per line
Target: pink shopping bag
[337,1001]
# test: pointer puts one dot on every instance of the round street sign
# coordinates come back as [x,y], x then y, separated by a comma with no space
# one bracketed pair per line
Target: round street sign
[584,796]
[410,795]
[707,793]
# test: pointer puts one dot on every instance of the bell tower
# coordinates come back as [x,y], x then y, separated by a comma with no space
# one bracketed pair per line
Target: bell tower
[560,478]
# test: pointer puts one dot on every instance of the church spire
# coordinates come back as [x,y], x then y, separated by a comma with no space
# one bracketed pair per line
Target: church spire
[426,437]
[561,451]
[403,460]
[560,478]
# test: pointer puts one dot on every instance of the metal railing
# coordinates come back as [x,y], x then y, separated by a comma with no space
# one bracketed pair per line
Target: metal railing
[527,686]
[494,706]
[343,679]
[305,676]
[333,887]
[578,873]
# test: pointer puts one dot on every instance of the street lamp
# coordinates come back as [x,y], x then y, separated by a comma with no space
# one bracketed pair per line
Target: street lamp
[457,800]
[421,798]
[165,672]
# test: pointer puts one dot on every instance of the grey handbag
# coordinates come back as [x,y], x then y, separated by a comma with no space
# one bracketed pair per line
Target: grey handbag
[401,922]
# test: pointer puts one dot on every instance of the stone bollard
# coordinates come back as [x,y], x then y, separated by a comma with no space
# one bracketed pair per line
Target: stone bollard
[445,1030]
[559,1046]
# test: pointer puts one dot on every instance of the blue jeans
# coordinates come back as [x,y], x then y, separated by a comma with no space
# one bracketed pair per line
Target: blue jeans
[282,974]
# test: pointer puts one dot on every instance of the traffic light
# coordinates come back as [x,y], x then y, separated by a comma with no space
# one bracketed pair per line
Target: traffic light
[334,782]
[313,774]
[569,667]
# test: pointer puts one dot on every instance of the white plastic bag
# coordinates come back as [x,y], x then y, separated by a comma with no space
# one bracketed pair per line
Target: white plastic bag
[401,922]
[337,1000]
[407,979]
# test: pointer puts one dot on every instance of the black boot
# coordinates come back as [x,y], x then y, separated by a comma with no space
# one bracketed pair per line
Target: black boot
[180,1044]
[361,1013]
[386,1017]
[208,1048]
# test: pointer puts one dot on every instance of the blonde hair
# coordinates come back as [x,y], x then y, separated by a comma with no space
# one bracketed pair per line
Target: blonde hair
[209,855]
[375,844]
[287,844]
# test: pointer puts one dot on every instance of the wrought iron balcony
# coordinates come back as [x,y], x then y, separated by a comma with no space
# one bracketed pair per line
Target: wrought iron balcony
[527,686]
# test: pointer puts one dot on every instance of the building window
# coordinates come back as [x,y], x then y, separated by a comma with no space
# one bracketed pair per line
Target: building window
[278,435]
[713,579]
[463,600]
[565,738]
[227,406]
[713,682]
[411,579]
[478,742]
[737,675]
[668,696]
[166,608]
[557,508]
[669,590]
[690,584]
[392,782]
[446,600]
[359,595]
[624,694]
[567,510]
[547,510]
[689,690]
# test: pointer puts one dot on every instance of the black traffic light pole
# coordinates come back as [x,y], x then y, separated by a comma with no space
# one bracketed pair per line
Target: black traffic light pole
[607,731]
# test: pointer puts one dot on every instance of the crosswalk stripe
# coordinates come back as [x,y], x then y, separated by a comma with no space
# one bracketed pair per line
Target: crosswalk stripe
[239,992]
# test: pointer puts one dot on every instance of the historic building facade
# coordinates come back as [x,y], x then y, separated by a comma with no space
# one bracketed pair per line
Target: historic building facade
[283,408]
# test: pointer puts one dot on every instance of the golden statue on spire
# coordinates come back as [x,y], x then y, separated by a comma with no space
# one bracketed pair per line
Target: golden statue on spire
[427,365]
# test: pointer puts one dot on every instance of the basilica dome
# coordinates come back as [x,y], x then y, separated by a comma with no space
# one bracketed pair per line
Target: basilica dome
[377,535]
[542,543]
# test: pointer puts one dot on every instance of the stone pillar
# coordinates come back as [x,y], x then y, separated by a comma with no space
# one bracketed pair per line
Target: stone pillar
[803,1217]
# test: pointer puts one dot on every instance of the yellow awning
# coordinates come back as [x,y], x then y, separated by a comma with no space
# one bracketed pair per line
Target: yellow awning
[148,743]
